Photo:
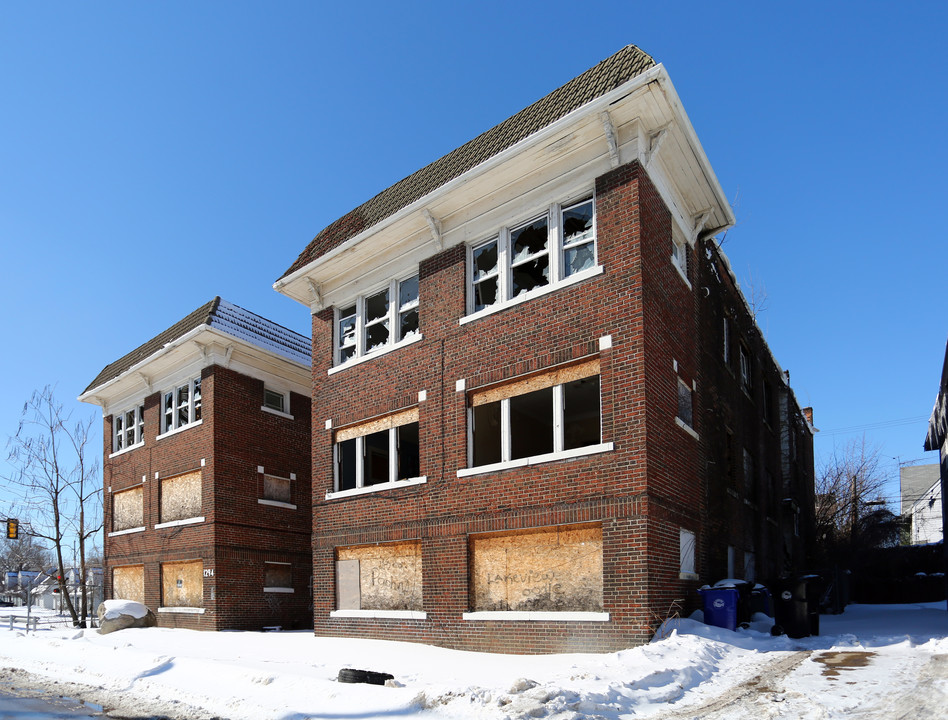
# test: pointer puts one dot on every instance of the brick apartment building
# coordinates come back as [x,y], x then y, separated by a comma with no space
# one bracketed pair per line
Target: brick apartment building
[207,472]
[542,410]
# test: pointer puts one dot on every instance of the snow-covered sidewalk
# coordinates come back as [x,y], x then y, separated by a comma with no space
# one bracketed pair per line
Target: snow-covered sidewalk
[870,662]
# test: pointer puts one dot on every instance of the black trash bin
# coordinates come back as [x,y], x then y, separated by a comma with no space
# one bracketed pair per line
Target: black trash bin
[814,592]
[760,601]
[790,607]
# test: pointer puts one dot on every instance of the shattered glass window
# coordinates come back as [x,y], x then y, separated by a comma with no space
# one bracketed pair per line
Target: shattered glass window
[685,404]
[347,333]
[530,259]
[579,241]
[486,275]
[376,321]
[408,308]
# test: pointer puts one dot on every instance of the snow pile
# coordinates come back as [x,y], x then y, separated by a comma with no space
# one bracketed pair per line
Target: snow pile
[116,608]
[874,659]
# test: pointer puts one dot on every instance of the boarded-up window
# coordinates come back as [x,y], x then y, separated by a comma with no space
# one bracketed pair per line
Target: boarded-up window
[127,510]
[181,497]
[277,489]
[379,577]
[128,583]
[277,576]
[182,584]
[539,570]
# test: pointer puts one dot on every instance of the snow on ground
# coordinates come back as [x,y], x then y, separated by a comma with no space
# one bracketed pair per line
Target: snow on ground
[871,662]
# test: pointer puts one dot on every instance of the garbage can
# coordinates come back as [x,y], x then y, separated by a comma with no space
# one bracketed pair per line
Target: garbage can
[790,607]
[743,588]
[720,606]
[760,601]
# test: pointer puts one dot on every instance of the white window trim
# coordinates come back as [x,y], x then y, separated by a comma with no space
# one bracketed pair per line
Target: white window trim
[535,293]
[138,409]
[128,531]
[284,590]
[184,610]
[536,616]
[679,257]
[393,482]
[180,429]
[164,431]
[687,428]
[537,459]
[555,251]
[380,614]
[276,503]
[417,337]
[394,311]
[177,523]
[393,485]
[140,443]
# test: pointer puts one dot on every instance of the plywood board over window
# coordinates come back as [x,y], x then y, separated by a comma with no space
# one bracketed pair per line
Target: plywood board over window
[127,510]
[549,569]
[277,489]
[128,583]
[181,497]
[182,584]
[388,576]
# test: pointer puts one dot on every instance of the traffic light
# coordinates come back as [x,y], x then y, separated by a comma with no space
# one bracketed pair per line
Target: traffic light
[13,529]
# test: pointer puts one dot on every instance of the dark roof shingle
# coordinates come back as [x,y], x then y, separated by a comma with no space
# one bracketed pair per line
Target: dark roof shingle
[224,316]
[609,74]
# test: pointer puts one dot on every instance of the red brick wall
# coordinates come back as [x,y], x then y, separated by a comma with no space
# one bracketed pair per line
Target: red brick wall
[238,534]
[616,489]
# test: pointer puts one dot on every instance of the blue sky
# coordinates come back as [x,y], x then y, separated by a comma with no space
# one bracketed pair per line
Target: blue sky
[154,155]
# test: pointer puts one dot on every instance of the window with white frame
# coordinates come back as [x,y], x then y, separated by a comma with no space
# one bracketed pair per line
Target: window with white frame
[181,406]
[679,255]
[275,400]
[377,321]
[128,428]
[686,550]
[685,404]
[551,413]
[378,452]
[747,372]
[522,258]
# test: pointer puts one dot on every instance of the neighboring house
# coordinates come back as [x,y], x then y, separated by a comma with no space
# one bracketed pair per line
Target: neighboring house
[542,410]
[206,472]
[921,503]
[46,591]
[937,440]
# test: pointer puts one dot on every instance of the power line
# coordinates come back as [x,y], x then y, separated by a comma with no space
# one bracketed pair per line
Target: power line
[872,426]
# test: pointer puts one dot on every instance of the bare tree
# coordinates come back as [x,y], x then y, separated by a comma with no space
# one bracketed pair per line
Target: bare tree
[24,553]
[57,479]
[850,509]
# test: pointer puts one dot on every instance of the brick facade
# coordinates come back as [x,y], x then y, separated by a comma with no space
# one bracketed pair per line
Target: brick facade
[656,479]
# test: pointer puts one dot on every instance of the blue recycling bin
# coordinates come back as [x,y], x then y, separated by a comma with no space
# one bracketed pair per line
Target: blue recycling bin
[720,606]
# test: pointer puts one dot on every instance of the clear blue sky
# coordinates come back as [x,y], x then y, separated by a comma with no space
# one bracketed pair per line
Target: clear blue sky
[153,155]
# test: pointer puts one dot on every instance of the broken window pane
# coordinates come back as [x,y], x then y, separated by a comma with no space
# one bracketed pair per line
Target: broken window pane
[577,223]
[531,424]
[685,404]
[485,260]
[376,306]
[486,433]
[119,432]
[169,411]
[408,451]
[376,467]
[196,399]
[141,423]
[347,333]
[408,308]
[183,405]
[579,258]
[485,293]
[346,464]
[376,321]
[530,263]
[376,336]
[581,413]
